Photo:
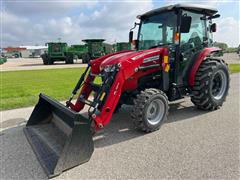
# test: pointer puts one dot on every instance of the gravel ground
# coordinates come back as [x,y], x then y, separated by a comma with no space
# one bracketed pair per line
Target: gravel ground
[36,63]
[231,58]
[192,144]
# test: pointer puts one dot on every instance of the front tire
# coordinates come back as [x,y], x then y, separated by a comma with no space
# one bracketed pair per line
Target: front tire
[86,58]
[69,59]
[50,61]
[150,110]
[211,84]
[45,59]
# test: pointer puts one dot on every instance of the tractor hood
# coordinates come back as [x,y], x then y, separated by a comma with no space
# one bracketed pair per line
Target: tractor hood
[117,58]
[129,57]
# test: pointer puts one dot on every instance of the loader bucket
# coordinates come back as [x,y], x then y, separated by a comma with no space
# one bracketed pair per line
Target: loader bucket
[60,138]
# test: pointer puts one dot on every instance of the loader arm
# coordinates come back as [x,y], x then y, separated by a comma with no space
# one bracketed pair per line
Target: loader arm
[84,94]
[86,85]
[105,98]
[111,102]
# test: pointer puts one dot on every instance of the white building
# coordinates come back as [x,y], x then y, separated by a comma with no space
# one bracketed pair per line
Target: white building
[33,51]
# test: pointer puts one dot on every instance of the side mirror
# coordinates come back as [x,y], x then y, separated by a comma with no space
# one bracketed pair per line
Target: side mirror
[130,36]
[213,27]
[185,24]
[135,43]
[214,16]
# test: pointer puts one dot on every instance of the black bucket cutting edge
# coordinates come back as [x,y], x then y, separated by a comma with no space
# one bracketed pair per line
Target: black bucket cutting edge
[60,138]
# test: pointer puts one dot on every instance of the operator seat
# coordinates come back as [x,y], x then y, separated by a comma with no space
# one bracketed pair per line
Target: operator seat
[195,39]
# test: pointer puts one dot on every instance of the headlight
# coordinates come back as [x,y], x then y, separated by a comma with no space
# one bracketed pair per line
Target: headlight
[109,68]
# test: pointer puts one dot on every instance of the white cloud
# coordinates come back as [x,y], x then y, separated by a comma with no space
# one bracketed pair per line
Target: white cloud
[45,7]
[211,3]
[12,27]
[111,22]
[228,31]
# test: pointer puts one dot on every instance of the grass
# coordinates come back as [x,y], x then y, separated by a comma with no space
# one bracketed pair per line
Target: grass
[234,68]
[21,88]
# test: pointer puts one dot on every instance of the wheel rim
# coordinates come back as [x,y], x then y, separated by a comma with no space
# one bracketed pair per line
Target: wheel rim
[219,85]
[155,111]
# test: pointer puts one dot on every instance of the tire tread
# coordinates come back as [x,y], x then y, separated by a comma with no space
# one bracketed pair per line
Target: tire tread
[138,110]
[201,95]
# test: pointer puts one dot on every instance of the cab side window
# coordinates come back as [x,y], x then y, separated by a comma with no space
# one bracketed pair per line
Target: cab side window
[196,36]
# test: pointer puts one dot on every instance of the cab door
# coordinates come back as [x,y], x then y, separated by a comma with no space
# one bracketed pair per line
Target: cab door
[191,43]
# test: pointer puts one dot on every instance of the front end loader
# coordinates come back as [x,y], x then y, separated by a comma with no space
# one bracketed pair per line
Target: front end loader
[60,138]
[174,58]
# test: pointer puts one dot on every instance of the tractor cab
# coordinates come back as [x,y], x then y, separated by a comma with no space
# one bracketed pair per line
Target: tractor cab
[95,49]
[56,48]
[184,29]
[187,26]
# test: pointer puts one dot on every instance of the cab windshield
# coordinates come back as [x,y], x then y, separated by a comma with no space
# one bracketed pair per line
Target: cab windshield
[157,30]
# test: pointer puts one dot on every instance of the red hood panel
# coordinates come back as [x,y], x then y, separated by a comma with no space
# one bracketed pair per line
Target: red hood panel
[129,56]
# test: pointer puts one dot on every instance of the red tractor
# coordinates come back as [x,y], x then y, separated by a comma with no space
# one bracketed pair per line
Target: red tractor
[174,58]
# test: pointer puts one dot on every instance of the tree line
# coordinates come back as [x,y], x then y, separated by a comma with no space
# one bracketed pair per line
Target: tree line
[225,47]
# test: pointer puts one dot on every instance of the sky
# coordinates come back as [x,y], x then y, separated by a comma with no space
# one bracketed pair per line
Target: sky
[32,22]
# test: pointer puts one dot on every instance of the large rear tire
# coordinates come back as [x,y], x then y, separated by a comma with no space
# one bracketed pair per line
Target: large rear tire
[86,58]
[50,61]
[45,59]
[69,59]
[45,62]
[150,110]
[211,84]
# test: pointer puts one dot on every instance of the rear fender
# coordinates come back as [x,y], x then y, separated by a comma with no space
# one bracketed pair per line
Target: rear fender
[197,62]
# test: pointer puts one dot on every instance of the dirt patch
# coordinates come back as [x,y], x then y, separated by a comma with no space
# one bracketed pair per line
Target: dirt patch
[231,58]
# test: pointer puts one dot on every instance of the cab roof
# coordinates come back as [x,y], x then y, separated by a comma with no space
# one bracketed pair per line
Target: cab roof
[209,11]
[93,40]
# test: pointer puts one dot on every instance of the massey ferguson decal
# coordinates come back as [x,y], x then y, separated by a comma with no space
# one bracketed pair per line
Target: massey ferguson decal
[149,59]
[143,54]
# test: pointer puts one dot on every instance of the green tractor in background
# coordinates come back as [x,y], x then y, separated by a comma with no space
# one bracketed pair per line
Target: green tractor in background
[3,60]
[95,49]
[92,49]
[57,51]
[120,46]
[13,54]
[78,50]
[238,50]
